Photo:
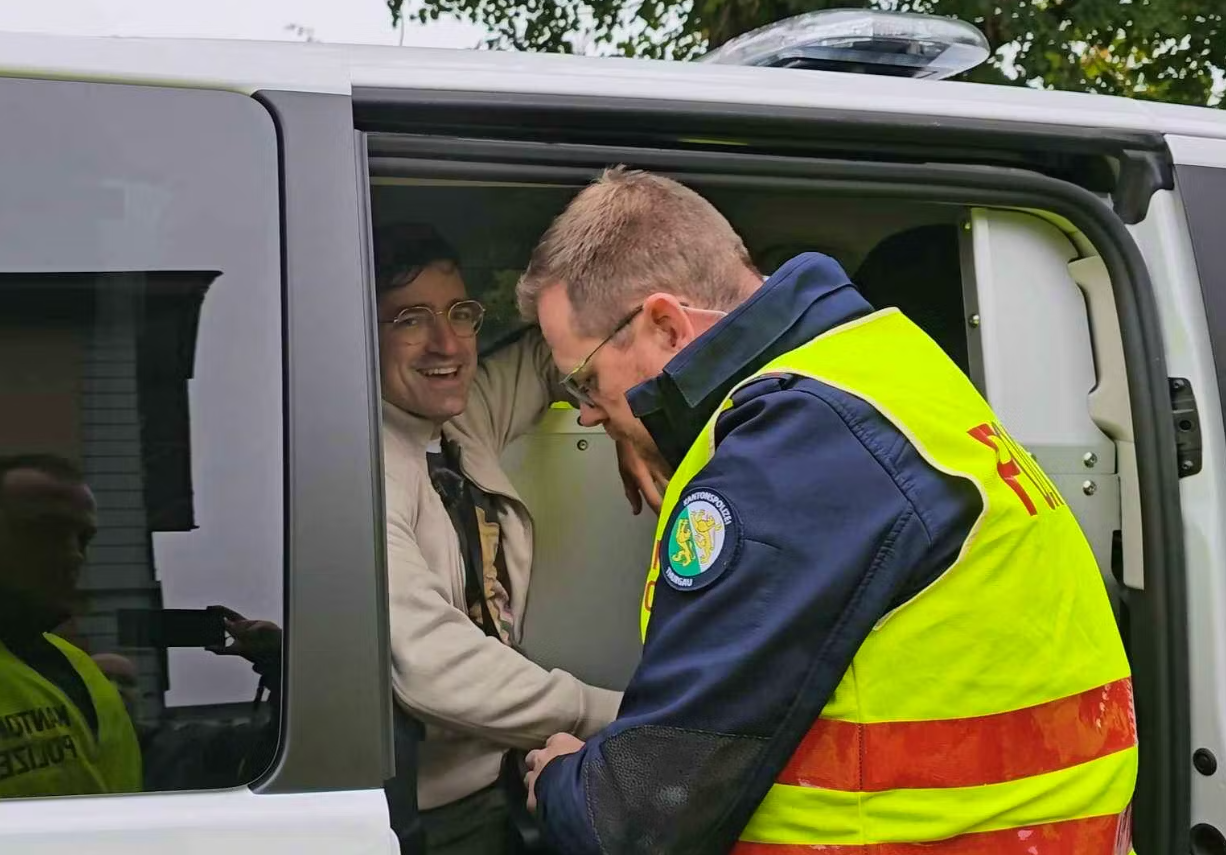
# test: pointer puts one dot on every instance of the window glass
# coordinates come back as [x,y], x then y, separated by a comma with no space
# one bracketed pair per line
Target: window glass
[141,443]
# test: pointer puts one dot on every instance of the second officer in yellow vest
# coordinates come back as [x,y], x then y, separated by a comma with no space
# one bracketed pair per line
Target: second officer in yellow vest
[64,730]
[870,621]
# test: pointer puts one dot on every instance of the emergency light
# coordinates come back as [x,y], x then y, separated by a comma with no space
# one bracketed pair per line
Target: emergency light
[896,44]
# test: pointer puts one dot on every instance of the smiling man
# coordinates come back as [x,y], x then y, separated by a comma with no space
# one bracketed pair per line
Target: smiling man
[460,544]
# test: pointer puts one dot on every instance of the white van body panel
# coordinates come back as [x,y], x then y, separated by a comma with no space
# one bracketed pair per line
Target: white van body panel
[233,822]
[1163,239]
[1196,151]
[252,66]
[236,66]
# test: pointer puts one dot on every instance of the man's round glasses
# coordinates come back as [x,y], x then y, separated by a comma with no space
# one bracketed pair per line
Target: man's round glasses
[415,323]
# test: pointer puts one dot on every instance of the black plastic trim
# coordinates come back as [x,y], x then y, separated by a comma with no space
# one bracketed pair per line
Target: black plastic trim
[1207,840]
[1130,165]
[337,702]
[1157,623]
[1188,440]
[1204,761]
[1142,174]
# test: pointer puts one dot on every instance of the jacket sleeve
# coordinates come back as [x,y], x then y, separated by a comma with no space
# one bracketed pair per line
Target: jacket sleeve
[830,523]
[448,672]
[513,387]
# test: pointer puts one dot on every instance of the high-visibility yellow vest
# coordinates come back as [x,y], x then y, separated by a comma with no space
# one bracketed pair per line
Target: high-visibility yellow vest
[992,713]
[47,747]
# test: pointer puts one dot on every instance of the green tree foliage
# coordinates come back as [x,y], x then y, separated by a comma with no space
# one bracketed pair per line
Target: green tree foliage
[1166,50]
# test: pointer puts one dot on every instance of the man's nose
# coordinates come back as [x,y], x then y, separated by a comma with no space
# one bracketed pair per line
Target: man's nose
[590,415]
[443,339]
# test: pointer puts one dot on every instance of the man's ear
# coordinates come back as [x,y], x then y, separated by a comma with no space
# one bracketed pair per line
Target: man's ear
[668,321]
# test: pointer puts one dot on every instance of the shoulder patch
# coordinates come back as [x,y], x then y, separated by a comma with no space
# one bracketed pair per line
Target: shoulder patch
[701,541]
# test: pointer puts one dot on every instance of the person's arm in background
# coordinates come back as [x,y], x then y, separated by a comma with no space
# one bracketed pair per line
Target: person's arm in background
[445,670]
[519,381]
[826,536]
[513,388]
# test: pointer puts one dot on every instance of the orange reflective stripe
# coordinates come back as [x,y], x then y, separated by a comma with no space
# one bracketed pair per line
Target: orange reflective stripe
[965,752]
[1099,835]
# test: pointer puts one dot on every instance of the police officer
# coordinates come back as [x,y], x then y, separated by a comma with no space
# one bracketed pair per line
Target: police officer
[63,726]
[869,618]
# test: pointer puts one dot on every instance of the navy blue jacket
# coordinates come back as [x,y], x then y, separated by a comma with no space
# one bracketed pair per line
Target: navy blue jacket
[832,518]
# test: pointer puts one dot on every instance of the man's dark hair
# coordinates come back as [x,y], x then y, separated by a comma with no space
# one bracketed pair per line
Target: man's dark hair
[404,250]
[60,468]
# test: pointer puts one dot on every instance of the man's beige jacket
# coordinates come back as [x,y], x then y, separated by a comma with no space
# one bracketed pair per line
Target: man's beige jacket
[476,696]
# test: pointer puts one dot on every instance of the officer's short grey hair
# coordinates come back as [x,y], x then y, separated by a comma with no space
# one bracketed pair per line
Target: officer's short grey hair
[628,235]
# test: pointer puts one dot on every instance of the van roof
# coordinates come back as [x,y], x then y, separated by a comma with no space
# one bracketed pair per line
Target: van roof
[250,66]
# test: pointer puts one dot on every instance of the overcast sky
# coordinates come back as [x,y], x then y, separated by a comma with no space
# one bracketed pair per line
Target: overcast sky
[351,21]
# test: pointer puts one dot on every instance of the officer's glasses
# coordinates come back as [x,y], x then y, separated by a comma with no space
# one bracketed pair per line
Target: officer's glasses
[415,323]
[580,386]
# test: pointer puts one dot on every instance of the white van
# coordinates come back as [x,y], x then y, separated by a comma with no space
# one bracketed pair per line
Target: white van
[186,307]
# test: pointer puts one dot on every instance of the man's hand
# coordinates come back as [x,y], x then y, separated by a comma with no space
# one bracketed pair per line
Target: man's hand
[257,641]
[559,744]
[638,478]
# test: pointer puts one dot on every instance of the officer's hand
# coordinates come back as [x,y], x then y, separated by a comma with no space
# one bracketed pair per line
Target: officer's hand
[638,479]
[559,744]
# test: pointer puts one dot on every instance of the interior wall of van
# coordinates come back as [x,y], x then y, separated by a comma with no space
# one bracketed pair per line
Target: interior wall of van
[1032,332]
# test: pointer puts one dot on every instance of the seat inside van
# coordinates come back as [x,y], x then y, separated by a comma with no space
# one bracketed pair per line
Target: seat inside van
[982,283]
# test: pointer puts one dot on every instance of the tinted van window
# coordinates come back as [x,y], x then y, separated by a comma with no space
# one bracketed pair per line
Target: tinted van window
[141,443]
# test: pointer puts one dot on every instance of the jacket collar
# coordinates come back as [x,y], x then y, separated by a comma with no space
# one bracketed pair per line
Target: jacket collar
[803,299]
[478,458]
[420,431]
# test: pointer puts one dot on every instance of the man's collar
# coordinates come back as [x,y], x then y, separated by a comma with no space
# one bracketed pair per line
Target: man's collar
[420,431]
[806,297]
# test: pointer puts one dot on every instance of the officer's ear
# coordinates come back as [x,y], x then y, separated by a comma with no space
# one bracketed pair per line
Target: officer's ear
[667,322]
